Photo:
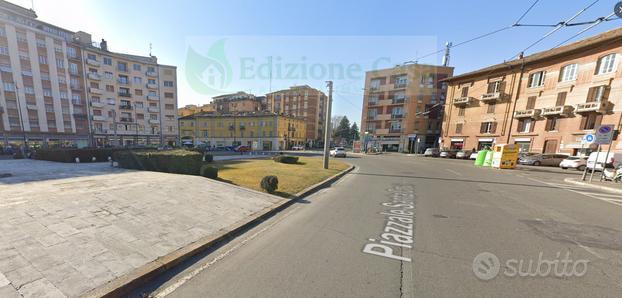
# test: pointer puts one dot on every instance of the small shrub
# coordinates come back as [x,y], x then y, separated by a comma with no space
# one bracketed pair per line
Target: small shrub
[208,171]
[70,154]
[288,159]
[270,183]
[168,161]
[208,157]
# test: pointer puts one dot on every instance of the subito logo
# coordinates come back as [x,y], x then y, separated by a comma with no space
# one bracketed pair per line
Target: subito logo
[486,266]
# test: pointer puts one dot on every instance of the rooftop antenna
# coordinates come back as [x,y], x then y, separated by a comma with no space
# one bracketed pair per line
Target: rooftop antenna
[446,57]
[150,48]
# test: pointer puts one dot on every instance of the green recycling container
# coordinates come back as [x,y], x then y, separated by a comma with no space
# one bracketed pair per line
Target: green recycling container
[481,156]
[488,160]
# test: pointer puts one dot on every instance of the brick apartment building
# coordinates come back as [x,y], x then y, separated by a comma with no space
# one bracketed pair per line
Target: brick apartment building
[402,107]
[237,102]
[545,102]
[301,101]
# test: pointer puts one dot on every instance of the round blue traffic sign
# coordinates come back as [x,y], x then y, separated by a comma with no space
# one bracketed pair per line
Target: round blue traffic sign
[589,138]
[604,130]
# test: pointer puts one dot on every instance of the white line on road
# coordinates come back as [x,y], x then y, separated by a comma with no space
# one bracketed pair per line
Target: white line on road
[584,192]
[180,282]
[454,172]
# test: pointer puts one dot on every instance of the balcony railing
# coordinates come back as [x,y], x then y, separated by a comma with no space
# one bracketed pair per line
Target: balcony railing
[398,100]
[397,116]
[123,82]
[96,104]
[531,113]
[465,100]
[94,76]
[490,97]
[596,106]
[99,118]
[126,119]
[125,107]
[371,117]
[153,110]
[95,90]
[154,121]
[153,97]
[93,62]
[558,110]
[152,86]
[395,130]
[399,85]
[125,94]
[151,74]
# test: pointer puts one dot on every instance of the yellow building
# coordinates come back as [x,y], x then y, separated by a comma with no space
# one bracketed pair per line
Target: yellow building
[258,130]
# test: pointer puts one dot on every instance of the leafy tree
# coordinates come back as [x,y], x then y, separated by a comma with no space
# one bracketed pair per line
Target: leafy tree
[354,132]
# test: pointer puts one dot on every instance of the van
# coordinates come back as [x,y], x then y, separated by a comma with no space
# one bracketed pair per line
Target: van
[613,158]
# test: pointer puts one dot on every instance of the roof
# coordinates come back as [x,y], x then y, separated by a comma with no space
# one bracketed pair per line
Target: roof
[294,88]
[409,65]
[581,45]
[237,115]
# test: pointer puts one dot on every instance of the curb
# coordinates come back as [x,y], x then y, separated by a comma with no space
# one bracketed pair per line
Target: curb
[123,285]
[606,188]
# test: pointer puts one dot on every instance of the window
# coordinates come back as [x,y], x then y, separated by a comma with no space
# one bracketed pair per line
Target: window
[139,105]
[488,127]
[138,80]
[491,108]
[598,93]
[29,90]
[568,73]
[136,67]
[43,60]
[590,121]
[552,124]
[71,52]
[561,99]
[91,56]
[151,69]
[60,63]
[107,61]
[73,68]
[459,128]
[168,95]
[375,83]
[525,125]
[461,111]
[138,92]
[47,92]
[168,84]
[122,66]
[109,88]
[464,92]
[4,50]
[531,103]
[9,87]
[606,64]
[151,81]
[123,79]
[169,106]
[536,79]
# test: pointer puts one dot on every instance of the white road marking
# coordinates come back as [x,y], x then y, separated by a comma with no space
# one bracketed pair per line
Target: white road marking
[583,191]
[454,172]
[180,282]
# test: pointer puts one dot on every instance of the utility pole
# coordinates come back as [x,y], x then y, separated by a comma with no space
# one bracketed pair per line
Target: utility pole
[327,123]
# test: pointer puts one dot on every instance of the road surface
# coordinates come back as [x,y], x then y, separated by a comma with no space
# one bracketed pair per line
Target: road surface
[331,244]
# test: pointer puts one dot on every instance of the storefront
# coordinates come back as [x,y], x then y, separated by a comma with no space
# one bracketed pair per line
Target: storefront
[523,144]
[485,143]
[457,143]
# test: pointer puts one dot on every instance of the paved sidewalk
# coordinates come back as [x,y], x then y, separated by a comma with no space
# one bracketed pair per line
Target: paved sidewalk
[74,227]
[596,184]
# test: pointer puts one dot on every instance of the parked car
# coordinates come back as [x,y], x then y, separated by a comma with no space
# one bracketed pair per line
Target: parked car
[613,159]
[463,154]
[448,153]
[338,152]
[574,162]
[296,148]
[242,148]
[432,152]
[473,155]
[546,159]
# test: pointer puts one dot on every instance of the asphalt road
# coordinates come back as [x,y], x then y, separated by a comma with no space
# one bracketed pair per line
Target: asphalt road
[316,247]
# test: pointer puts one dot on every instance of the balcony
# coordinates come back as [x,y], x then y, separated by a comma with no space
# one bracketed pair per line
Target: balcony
[79,116]
[153,97]
[125,107]
[557,111]
[31,106]
[153,110]
[123,82]
[154,121]
[126,119]
[371,117]
[531,113]
[96,104]
[491,97]
[95,90]
[94,76]
[397,116]
[462,101]
[99,118]
[93,62]
[152,86]
[76,87]
[72,57]
[596,106]
[398,100]
[399,85]
[125,94]
[151,74]
[395,130]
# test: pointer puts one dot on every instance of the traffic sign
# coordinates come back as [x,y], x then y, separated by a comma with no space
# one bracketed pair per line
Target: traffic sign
[617,9]
[604,134]
[587,139]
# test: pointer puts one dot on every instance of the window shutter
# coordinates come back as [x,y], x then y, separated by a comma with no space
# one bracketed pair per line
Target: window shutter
[605,93]
[598,120]
[548,124]
[502,86]
[521,124]
[583,122]
[561,99]
[532,126]
[493,127]
[482,127]
[465,91]
[531,102]
[590,95]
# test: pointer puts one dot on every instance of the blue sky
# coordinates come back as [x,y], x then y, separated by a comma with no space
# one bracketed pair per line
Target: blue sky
[173,26]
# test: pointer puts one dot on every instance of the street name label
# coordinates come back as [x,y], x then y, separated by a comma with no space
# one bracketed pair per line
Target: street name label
[604,134]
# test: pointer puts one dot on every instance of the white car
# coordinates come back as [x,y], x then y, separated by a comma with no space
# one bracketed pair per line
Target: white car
[338,152]
[296,148]
[473,155]
[574,162]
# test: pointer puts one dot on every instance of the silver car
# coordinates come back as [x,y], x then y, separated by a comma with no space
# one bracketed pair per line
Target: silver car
[546,159]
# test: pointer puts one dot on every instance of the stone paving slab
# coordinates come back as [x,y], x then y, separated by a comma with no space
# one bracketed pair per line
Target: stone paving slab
[69,228]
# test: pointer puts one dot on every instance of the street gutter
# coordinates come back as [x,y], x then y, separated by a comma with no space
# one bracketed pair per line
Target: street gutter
[124,285]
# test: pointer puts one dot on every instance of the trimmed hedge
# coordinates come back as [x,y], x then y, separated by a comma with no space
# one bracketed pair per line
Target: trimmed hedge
[70,154]
[208,171]
[269,183]
[169,161]
[288,159]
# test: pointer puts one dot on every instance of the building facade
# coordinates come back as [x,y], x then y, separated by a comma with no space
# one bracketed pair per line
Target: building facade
[258,130]
[59,89]
[301,101]
[237,103]
[402,107]
[193,109]
[546,102]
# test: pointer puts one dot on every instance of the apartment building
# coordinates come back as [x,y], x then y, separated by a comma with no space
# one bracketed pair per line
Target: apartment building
[402,107]
[545,102]
[237,102]
[42,100]
[193,109]
[61,89]
[301,101]
[258,130]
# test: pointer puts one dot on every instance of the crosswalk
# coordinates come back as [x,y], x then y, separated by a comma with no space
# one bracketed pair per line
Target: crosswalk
[609,197]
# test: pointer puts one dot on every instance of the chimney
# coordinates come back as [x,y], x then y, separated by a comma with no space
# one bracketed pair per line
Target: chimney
[103,45]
